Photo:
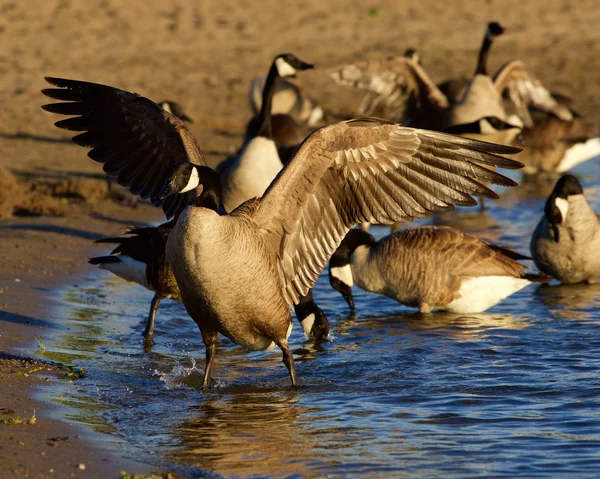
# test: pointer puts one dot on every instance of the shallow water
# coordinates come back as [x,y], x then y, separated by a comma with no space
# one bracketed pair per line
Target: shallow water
[511,393]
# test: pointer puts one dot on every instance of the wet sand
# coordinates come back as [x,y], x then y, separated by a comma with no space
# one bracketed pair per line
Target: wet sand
[203,55]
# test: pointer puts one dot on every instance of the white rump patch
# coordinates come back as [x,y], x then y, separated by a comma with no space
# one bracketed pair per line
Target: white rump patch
[192,182]
[479,294]
[563,206]
[129,269]
[284,68]
[289,331]
[579,153]
[307,324]
[344,274]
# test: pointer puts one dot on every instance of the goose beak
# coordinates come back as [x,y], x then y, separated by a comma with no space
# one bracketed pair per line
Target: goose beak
[349,299]
[169,190]
[305,66]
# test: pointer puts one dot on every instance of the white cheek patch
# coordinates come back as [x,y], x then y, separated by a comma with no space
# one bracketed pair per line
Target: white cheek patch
[307,324]
[563,206]
[166,106]
[284,68]
[344,274]
[192,182]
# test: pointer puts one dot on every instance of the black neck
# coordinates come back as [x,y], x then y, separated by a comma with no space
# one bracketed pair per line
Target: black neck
[264,117]
[211,190]
[483,53]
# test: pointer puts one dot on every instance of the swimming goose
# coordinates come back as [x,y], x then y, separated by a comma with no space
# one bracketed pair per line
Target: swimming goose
[430,268]
[248,174]
[412,98]
[140,258]
[240,273]
[566,241]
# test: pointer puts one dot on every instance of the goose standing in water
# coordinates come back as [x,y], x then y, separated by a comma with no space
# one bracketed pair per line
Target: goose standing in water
[140,258]
[566,241]
[430,268]
[249,173]
[240,273]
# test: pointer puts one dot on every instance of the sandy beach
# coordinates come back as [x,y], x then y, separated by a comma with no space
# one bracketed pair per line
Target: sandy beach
[53,199]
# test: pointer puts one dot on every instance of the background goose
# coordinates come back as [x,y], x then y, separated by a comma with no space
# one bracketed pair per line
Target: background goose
[430,268]
[140,258]
[289,98]
[566,241]
[555,146]
[240,273]
[412,98]
[248,174]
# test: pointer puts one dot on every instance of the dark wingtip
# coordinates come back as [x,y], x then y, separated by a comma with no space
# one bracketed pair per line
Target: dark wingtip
[104,260]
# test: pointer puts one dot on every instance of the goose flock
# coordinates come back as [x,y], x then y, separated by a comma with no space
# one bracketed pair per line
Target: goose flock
[245,243]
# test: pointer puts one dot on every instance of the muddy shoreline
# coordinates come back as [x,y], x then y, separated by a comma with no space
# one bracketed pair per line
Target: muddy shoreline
[48,446]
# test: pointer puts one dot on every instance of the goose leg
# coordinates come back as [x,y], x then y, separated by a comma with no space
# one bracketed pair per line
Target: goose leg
[149,331]
[288,360]
[211,342]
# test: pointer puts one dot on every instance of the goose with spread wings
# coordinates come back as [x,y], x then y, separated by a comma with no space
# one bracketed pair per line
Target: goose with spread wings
[239,273]
[411,97]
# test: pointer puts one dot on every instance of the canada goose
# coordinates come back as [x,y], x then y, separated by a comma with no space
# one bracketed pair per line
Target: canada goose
[140,258]
[553,146]
[289,98]
[248,174]
[412,98]
[566,241]
[429,267]
[240,273]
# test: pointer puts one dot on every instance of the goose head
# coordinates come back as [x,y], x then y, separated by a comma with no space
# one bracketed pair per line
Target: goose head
[413,54]
[287,64]
[494,29]
[312,318]
[557,204]
[340,270]
[187,177]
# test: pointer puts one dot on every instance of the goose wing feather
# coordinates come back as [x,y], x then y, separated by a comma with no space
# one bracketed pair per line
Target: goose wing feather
[135,139]
[391,82]
[525,89]
[366,170]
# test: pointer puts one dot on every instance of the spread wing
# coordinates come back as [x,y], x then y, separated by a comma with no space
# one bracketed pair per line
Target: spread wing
[391,82]
[525,89]
[135,139]
[366,170]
